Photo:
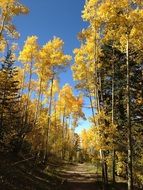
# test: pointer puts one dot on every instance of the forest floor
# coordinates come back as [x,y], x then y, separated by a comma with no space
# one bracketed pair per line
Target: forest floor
[17,175]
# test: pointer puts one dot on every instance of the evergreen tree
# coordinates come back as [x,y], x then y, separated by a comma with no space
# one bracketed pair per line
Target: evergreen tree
[9,100]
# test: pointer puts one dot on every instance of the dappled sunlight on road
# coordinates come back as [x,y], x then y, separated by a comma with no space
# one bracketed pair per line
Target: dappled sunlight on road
[79,177]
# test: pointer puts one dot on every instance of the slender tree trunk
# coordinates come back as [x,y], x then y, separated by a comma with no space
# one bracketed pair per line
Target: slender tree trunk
[49,118]
[63,136]
[28,95]
[104,170]
[55,128]
[130,175]
[113,166]
[99,100]
[106,174]
[22,83]
[92,108]
[38,101]
[113,113]
[21,104]
[105,167]
[2,26]
[102,157]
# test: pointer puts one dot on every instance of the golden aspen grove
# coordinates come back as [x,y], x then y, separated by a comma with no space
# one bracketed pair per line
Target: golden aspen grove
[71,120]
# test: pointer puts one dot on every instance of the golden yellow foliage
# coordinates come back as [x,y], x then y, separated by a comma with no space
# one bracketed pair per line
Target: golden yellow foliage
[30,50]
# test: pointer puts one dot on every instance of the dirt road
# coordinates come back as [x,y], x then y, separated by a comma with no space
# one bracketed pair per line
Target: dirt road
[79,177]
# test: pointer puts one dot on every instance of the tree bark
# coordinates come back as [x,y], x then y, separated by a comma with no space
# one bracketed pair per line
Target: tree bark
[38,101]
[28,96]
[113,118]
[49,119]
[129,166]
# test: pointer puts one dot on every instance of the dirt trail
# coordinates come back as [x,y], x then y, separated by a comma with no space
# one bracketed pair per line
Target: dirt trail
[79,177]
[84,177]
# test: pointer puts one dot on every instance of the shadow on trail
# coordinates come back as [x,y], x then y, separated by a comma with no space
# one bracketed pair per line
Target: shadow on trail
[80,186]
[82,177]
[91,186]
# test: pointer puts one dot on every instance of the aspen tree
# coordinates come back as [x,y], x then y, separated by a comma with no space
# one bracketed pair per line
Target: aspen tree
[28,57]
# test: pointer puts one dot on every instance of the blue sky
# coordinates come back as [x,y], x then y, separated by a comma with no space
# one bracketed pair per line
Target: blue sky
[48,18]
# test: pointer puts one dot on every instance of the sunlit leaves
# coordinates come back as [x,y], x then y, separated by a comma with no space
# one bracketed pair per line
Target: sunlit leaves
[30,50]
[52,53]
[9,9]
